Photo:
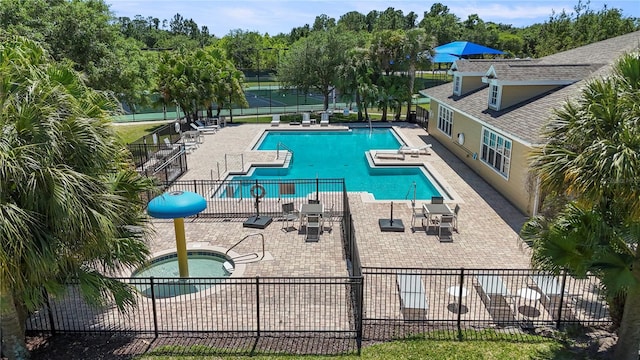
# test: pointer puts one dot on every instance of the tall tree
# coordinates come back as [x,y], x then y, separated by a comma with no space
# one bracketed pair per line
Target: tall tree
[311,62]
[353,21]
[70,205]
[444,26]
[415,48]
[200,78]
[590,165]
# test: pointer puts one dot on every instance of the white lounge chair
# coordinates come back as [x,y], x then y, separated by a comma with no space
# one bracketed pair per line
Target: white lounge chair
[324,119]
[388,154]
[415,151]
[306,119]
[275,120]
[201,128]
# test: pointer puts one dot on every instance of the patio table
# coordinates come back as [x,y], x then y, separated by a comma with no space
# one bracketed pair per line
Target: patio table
[435,209]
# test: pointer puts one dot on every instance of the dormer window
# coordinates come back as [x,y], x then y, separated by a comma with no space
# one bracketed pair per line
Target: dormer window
[457,85]
[493,97]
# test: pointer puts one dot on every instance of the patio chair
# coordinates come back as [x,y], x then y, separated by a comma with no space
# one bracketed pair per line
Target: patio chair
[437,200]
[418,213]
[289,214]
[328,216]
[446,224]
[456,210]
[313,228]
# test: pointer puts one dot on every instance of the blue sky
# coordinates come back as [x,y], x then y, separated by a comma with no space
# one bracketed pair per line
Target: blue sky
[275,16]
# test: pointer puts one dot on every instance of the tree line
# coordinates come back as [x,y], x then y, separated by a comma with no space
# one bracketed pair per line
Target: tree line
[128,57]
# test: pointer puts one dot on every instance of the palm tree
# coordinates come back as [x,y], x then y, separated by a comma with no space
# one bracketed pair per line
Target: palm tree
[415,45]
[590,164]
[70,205]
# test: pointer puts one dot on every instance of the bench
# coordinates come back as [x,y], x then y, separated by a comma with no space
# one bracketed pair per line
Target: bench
[413,297]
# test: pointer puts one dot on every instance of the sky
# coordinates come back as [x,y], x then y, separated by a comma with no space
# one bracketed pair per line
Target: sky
[280,16]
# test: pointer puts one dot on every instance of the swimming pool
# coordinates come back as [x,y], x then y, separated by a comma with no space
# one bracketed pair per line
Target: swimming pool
[342,154]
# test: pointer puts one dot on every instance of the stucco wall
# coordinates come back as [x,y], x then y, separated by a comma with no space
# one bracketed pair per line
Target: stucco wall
[512,95]
[515,188]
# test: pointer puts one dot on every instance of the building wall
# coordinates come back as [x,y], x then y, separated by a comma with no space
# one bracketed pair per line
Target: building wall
[515,188]
[471,83]
[512,94]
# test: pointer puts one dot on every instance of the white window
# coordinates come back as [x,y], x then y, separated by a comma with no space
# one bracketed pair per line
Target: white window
[496,152]
[493,97]
[445,120]
[457,85]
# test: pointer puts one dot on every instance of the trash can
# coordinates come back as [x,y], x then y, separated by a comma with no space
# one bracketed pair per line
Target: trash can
[412,117]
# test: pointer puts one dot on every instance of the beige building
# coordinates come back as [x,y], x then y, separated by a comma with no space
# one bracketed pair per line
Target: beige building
[493,111]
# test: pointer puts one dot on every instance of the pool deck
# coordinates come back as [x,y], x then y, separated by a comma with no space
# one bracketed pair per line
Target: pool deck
[488,224]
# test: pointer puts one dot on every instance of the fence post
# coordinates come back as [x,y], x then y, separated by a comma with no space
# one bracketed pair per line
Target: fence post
[359,325]
[153,307]
[460,303]
[52,326]
[258,304]
[564,282]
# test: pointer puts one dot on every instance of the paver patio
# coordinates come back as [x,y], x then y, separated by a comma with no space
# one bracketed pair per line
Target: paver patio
[488,224]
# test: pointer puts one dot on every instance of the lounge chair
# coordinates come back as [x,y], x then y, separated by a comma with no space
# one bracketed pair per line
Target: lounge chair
[167,150]
[415,151]
[413,297]
[201,128]
[275,120]
[324,119]
[306,119]
[388,154]
[496,298]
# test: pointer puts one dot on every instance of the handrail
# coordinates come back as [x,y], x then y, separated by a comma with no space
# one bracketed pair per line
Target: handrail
[241,240]
[406,197]
[170,160]
[281,144]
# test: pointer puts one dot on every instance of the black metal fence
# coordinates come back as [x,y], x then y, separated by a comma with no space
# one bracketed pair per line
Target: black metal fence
[234,199]
[258,306]
[384,304]
[400,302]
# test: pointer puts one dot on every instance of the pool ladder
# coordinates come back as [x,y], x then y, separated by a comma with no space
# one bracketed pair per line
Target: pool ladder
[245,258]
[288,154]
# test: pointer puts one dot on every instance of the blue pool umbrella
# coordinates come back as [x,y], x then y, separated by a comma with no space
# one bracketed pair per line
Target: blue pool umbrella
[443,58]
[464,48]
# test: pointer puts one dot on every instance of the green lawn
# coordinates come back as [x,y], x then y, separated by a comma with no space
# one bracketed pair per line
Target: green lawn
[534,348]
[130,133]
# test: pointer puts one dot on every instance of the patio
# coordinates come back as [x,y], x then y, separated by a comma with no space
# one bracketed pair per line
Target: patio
[488,225]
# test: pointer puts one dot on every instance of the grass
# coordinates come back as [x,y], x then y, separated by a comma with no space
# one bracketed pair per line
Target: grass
[130,133]
[417,348]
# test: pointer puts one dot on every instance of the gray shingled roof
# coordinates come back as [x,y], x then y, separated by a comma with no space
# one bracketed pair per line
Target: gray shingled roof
[549,72]
[482,65]
[525,120]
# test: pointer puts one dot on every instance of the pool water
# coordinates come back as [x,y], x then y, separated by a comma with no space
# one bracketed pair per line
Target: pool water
[201,265]
[342,154]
